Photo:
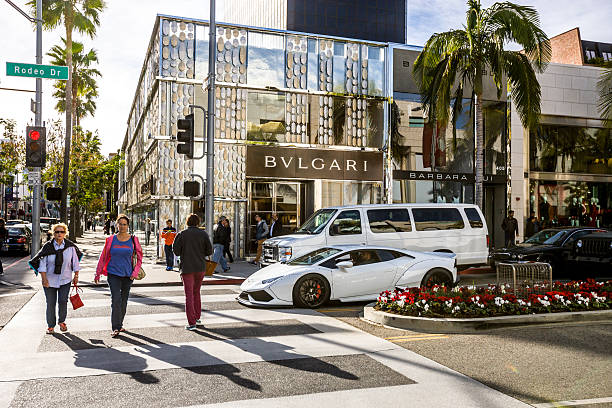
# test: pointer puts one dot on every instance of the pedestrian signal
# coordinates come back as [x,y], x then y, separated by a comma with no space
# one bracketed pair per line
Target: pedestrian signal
[191,188]
[54,193]
[36,146]
[185,135]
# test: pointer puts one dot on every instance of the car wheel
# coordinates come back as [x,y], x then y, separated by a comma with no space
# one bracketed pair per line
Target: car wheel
[437,276]
[311,291]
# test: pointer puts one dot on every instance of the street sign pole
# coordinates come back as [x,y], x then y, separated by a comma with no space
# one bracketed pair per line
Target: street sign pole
[210,140]
[37,121]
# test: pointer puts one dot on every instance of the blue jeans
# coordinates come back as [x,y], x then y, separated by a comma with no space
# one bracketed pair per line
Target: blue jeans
[120,292]
[59,297]
[169,256]
[218,255]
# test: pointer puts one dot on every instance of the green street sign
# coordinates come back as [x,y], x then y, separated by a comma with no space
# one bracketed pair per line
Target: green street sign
[36,71]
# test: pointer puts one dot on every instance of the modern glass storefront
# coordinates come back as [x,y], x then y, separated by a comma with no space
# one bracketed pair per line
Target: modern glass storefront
[571,175]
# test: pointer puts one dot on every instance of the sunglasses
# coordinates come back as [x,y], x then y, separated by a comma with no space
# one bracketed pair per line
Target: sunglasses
[59,232]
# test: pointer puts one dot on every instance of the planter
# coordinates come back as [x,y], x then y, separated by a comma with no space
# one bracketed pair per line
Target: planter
[479,324]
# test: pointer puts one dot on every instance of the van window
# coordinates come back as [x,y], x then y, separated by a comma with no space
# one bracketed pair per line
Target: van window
[473,217]
[347,223]
[389,220]
[430,219]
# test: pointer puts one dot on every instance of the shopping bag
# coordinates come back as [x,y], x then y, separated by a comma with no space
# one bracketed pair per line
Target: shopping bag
[76,298]
[210,268]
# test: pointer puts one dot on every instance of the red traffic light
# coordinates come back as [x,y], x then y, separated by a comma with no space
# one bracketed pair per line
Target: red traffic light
[34,135]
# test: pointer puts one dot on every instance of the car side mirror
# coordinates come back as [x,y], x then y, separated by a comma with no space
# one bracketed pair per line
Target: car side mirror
[344,264]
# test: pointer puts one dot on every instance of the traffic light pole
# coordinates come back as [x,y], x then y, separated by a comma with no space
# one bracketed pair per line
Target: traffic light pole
[210,139]
[38,122]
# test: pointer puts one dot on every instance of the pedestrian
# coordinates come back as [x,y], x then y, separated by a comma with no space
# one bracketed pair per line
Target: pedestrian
[221,238]
[112,226]
[510,227]
[93,224]
[147,231]
[118,264]
[107,226]
[168,234]
[193,246]
[56,262]
[532,226]
[226,247]
[3,239]
[261,234]
[88,225]
[276,228]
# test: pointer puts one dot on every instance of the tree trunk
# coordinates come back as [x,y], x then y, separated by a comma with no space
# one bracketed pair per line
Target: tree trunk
[479,162]
[68,21]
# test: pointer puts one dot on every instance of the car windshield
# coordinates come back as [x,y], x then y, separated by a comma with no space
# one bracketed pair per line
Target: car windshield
[313,257]
[16,231]
[548,237]
[316,222]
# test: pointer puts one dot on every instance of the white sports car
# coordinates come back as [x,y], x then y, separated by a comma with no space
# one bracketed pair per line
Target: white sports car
[345,273]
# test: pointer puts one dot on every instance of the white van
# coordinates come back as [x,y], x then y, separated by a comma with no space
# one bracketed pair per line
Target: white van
[455,228]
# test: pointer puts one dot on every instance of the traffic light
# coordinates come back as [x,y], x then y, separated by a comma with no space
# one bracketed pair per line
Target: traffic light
[54,193]
[36,146]
[185,135]
[191,188]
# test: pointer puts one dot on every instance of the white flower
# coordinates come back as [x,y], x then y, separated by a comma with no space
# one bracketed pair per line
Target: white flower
[400,303]
[423,301]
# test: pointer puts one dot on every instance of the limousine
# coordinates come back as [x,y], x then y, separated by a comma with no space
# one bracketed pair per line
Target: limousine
[453,228]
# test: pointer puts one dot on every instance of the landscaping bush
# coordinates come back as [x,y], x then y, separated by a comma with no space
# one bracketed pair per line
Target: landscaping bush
[472,301]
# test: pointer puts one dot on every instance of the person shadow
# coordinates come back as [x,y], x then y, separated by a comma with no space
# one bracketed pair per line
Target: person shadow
[185,356]
[109,359]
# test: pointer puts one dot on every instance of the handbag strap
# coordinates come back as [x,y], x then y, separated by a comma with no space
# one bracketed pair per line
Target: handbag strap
[76,289]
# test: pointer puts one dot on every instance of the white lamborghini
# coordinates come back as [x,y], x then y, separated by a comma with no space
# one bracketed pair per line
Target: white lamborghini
[345,273]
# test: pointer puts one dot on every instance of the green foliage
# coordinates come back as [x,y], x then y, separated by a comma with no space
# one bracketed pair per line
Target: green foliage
[604,86]
[12,152]
[82,15]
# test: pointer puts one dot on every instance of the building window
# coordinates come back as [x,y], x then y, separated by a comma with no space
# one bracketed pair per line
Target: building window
[336,193]
[201,52]
[266,116]
[313,65]
[266,60]
[376,70]
[339,76]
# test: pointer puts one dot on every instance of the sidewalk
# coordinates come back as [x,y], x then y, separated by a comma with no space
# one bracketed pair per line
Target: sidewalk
[91,243]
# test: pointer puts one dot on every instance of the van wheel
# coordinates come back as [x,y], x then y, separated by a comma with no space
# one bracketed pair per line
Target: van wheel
[311,291]
[437,276]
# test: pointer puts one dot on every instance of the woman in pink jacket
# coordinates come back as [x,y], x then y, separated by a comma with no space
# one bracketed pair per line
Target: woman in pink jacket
[118,263]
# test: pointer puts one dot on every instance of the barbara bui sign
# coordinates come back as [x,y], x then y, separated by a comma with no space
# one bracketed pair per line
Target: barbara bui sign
[287,162]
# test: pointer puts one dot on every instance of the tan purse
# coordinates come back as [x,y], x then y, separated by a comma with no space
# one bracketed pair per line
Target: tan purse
[141,272]
[210,268]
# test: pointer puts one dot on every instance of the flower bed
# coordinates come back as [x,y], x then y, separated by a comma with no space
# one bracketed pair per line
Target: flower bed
[471,301]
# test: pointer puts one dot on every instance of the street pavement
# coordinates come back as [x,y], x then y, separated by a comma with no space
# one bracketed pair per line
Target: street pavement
[239,357]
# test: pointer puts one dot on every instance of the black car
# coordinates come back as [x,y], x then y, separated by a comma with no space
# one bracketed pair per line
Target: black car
[594,250]
[553,246]
[19,238]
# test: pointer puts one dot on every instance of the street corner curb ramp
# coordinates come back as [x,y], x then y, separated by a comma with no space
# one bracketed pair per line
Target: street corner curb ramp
[480,324]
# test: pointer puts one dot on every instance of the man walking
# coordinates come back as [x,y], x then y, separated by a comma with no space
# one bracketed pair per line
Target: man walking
[193,246]
[168,234]
[148,228]
[532,226]
[510,227]
[276,228]
[226,248]
[221,237]
[261,234]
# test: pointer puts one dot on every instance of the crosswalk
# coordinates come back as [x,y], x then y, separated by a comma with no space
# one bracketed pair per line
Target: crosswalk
[239,357]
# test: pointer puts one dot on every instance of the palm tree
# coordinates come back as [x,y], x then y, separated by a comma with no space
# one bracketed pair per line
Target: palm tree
[455,59]
[84,16]
[604,86]
[84,85]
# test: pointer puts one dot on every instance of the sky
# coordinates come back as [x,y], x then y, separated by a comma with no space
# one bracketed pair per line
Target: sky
[126,27]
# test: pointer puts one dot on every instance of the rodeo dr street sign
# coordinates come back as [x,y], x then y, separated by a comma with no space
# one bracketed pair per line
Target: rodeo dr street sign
[36,71]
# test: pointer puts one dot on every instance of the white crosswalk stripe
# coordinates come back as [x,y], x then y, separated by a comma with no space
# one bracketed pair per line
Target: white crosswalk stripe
[231,336]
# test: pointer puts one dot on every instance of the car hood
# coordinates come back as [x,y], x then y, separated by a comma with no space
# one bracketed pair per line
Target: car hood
[527,248]
[290,240]
[274,270]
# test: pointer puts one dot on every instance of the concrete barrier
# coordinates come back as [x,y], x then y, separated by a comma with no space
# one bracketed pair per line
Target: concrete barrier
[479,324]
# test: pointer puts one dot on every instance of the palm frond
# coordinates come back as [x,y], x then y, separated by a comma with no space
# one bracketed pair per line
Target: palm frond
[526,92]
[604,87]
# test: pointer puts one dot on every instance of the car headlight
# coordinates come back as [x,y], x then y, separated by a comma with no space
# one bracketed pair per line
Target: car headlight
[579,243]
[266,281]
[284,253]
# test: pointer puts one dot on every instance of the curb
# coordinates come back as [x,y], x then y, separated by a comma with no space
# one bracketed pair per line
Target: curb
[162,284]
[479,324]
[476,271]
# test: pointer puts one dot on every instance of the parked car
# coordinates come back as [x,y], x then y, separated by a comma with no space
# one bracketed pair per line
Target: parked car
[15,222]
[594,251]
[45,224]
[19,238]
[454,228]
[552,245]
[345,273]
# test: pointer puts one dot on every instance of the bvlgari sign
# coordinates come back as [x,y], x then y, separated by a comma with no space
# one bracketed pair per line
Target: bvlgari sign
[287,162]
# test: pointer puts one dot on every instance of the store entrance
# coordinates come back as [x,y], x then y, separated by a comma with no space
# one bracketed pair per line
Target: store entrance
[292,201]
[494,212]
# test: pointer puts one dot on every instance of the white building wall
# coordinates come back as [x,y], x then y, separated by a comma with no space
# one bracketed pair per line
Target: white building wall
[567,90]
[256,13]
